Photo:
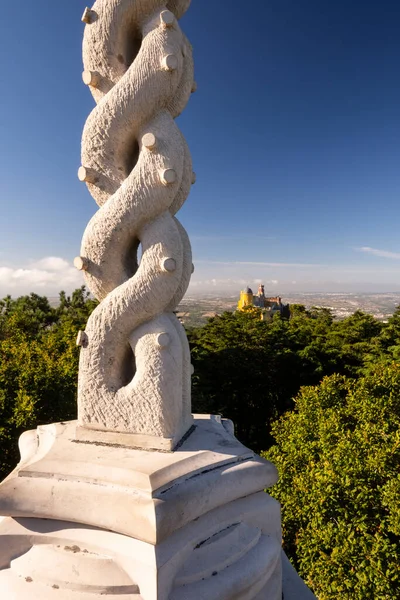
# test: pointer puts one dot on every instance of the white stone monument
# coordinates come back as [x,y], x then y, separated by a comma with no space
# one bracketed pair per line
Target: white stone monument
[137,499]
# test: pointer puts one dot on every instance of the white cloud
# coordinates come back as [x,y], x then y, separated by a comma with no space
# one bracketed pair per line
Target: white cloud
[51,263]
[47,276]
[377,252]
[265,282]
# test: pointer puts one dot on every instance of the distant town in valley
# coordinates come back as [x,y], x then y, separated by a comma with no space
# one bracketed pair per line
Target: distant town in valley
[194,310]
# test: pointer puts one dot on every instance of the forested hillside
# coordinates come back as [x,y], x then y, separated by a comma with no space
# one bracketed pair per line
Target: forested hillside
[250,370]
[38,365]
[320,397]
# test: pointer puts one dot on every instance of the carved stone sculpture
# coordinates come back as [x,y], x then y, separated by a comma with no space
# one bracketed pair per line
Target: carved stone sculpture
[138,499]
[134,374]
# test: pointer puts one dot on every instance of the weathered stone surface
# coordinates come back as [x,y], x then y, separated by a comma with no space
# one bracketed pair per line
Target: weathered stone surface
[45,559]
[137,500]
[105,520]
[213,558]
[294,587]
[139,68]
[155,492]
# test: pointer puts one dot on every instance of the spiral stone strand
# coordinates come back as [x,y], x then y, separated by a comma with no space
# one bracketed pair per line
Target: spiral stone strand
[134,372]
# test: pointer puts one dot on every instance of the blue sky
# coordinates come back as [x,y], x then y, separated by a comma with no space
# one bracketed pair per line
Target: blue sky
[294,133]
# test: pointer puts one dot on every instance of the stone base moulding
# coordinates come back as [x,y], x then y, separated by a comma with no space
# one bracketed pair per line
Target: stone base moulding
[90,519]
[130,440]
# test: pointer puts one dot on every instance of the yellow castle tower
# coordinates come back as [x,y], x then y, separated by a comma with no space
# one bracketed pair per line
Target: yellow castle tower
[246,298]
[268,305]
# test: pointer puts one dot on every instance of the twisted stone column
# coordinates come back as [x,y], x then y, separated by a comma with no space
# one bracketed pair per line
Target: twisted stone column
[91,513]
[134,373]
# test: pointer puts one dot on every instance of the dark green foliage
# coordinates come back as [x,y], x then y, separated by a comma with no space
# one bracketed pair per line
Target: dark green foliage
[28,314]
[337,452]
[338,455]
[249,370]
[236,373]
[38,365]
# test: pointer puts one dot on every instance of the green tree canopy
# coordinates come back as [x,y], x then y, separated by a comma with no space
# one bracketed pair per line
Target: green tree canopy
[249,370]
[38,365]
[337,451]
[338,455]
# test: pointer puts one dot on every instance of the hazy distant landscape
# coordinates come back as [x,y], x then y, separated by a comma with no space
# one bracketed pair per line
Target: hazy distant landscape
[194,310]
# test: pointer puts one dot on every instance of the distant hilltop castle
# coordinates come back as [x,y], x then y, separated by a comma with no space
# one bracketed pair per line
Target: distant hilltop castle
[270,306]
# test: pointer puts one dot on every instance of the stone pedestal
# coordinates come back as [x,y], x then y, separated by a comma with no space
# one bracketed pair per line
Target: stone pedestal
[92,519]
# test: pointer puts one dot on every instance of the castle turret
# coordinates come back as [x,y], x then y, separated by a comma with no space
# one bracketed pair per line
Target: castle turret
[246,298]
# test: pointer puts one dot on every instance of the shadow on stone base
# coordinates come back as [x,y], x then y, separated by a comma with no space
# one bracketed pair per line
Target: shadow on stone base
[97,520]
